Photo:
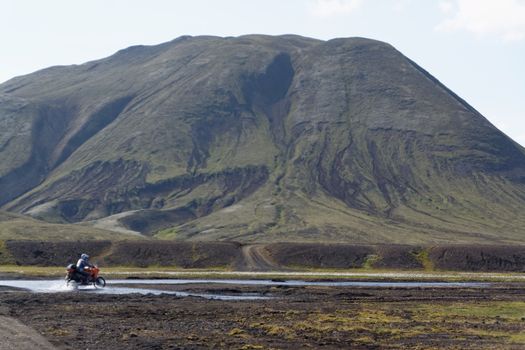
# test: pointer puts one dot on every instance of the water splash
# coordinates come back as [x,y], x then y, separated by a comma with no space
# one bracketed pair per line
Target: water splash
[50,286]
[40,286]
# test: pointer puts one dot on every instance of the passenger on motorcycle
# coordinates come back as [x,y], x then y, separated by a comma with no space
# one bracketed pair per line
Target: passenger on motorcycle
[82,263]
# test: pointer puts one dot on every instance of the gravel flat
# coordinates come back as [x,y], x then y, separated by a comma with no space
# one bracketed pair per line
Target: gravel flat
[17,336]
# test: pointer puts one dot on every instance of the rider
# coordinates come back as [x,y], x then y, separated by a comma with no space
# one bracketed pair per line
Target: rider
[82,263]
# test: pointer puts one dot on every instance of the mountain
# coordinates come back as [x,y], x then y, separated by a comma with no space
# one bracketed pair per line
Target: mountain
[259,138]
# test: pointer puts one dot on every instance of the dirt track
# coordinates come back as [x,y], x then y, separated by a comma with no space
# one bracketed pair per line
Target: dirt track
[298,317]
[255,258]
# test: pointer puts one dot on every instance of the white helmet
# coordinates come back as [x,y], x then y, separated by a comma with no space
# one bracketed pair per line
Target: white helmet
[84,257]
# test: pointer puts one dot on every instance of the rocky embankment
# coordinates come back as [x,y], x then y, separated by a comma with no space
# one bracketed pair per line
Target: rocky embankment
[269,257]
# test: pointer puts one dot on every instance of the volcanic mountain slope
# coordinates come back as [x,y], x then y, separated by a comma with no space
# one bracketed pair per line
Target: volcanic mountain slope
[20,227]
[259,138]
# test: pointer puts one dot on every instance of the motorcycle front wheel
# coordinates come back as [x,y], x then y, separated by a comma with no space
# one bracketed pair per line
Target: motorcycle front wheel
[100,282]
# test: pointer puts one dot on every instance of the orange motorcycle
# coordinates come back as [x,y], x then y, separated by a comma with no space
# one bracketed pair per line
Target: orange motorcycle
[91,278]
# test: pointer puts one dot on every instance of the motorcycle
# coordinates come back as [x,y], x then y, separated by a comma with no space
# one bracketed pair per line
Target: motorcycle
[92,278]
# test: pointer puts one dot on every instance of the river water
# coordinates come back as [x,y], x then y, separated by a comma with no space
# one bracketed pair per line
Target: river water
[125,286]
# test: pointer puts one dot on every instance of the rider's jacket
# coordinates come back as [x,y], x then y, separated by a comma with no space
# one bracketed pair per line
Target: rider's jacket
[82,264]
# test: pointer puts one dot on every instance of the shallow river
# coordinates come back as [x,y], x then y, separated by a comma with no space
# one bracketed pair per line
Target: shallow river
[117,286]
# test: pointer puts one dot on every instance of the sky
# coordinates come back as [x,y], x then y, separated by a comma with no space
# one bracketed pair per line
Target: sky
[475,47]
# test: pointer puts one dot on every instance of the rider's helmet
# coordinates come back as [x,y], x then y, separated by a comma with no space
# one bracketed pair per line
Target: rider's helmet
[84,257]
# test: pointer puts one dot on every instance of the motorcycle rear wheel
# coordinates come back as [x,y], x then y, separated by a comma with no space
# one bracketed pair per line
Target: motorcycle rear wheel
[100,282]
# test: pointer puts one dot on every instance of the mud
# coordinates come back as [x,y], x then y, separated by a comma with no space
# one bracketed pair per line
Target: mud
[296,317]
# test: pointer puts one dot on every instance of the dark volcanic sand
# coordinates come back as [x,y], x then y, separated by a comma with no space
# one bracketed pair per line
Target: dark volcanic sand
[298,317]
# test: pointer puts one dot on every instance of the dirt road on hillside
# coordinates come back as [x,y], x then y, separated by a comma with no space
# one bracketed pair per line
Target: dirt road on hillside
[255,258]
[16,336]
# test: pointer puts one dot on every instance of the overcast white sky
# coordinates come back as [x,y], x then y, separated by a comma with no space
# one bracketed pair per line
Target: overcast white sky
[475,47]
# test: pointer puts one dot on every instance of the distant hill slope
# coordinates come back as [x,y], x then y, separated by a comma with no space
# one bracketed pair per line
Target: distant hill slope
[20,227]
[259,138]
